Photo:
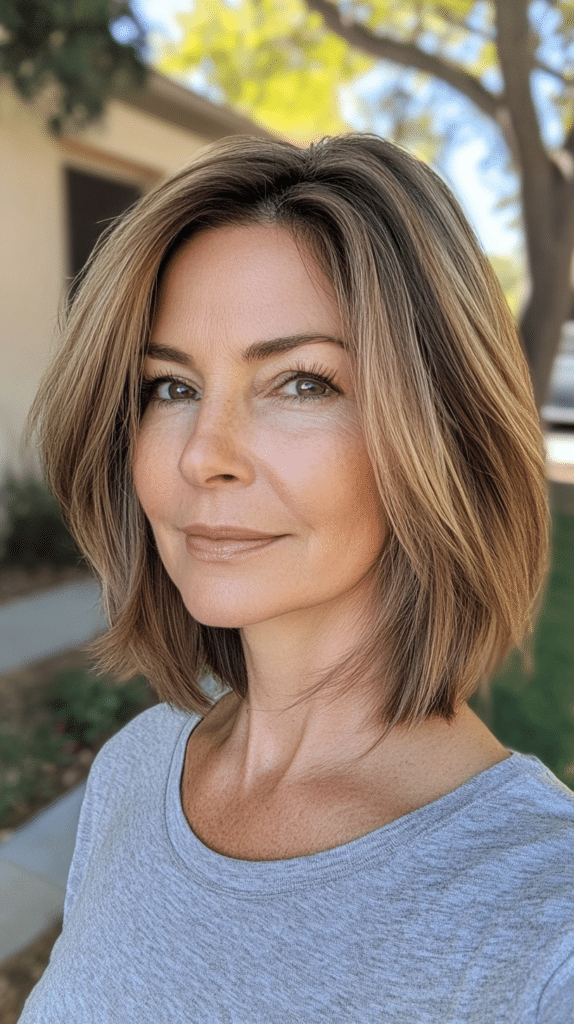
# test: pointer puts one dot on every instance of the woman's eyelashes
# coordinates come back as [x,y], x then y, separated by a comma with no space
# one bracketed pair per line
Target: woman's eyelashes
[169,390]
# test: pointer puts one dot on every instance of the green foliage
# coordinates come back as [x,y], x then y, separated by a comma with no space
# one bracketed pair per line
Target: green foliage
[446,23]
[89,707]
[281,65]
[273,61]
[32,530]
[536,714]
[27,768]
[284,67]
[70,44]
[79,710]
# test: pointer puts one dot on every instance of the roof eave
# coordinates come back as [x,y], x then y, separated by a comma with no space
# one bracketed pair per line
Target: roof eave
[166,99]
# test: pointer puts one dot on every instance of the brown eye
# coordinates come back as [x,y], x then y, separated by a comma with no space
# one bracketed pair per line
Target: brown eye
[321,381]
[165,391]
[309,388]
[172,389]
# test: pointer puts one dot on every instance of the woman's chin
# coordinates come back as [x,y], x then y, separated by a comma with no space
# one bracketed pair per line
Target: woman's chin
[224,618]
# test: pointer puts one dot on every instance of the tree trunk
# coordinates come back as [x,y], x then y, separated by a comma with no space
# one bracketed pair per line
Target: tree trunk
[540,328]
[550,255]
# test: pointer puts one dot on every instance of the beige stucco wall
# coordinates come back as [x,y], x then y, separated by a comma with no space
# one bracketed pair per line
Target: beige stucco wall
[32,262]
[128,145]
[134,136]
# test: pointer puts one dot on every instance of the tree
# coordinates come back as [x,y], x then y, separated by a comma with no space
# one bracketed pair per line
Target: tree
[69,46]
[510,61]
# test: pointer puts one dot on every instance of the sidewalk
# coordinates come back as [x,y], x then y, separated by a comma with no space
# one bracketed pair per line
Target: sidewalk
[37,627]
[35,859]
[34,865]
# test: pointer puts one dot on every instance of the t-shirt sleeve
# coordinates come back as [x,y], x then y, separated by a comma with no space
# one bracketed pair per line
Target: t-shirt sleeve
[81,852]
[112,767]
[93,804]
[557,1000]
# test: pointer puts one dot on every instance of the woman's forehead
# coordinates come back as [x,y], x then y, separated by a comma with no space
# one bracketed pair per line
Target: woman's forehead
[247,280]
[225,244]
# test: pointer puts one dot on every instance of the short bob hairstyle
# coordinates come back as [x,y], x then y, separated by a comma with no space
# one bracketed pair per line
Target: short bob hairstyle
[443,392]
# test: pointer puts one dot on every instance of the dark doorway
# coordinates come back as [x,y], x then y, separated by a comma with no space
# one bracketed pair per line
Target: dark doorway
[92,202]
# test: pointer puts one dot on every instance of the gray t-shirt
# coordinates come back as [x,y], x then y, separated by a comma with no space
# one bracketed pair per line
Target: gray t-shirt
[461,911]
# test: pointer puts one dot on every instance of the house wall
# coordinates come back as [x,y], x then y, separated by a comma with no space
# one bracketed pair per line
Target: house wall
[128,145]
[32,263]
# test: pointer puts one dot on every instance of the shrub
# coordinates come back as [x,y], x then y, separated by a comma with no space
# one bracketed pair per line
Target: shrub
[27,770]
[88,708]
[77,710]
[33,530]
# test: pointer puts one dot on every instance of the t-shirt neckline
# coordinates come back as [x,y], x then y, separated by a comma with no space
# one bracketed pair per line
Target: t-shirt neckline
[257,877]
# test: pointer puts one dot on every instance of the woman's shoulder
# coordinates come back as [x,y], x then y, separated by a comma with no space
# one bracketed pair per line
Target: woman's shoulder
[155,724]
[518,818]
[539,796]
[154,729]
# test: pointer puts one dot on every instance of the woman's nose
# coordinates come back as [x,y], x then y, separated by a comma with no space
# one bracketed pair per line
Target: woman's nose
[216,445]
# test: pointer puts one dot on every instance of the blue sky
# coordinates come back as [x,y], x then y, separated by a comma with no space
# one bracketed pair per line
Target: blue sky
[476,189]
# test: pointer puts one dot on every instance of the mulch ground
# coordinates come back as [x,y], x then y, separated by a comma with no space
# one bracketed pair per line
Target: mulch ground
[21,704]
[21,972]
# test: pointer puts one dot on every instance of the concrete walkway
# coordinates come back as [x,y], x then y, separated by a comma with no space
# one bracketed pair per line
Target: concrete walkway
[34,865]
[37,627]
[35,859]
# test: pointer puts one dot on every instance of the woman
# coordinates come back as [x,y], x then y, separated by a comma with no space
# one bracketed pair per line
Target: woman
[292,428]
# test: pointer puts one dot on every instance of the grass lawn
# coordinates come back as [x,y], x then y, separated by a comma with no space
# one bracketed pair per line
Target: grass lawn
[536,715]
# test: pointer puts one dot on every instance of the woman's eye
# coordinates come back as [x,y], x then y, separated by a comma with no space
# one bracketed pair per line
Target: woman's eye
[316,384]
[306,387]
[172,390]
[164,391]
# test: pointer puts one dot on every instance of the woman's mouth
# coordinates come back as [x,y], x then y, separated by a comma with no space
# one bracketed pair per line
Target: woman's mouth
[207,550]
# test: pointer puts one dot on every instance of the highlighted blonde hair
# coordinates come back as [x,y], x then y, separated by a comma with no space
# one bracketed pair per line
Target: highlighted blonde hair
[442,388]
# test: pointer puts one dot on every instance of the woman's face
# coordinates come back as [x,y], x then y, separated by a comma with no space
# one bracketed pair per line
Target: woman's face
[235,442]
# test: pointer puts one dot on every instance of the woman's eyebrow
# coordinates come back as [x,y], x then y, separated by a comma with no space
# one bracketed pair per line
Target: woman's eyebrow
[257,351]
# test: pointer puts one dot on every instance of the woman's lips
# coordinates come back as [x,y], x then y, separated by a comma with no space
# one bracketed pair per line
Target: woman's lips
[207,550]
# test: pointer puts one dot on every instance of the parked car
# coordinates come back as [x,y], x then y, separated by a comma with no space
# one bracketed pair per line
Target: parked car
[559,408]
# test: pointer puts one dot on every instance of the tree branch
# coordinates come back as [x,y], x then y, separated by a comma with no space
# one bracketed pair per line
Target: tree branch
[452,19]
[490,37]
[409,55]
[516,57]
[567,80]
